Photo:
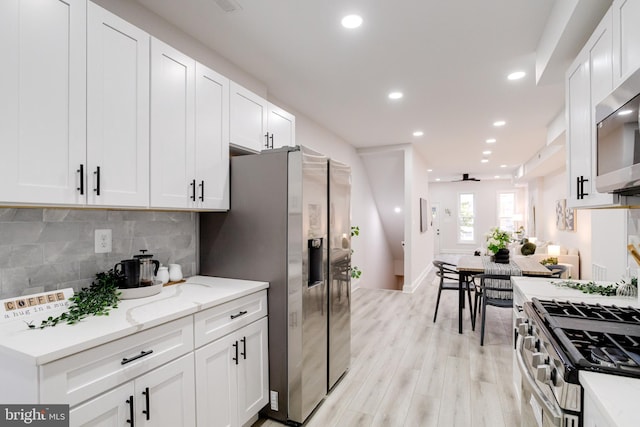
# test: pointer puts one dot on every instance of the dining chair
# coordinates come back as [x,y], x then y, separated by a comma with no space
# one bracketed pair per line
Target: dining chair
[492,289]
[557,270]
[449,281]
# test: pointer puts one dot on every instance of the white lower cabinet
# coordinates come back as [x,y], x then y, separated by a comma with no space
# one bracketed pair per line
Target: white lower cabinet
[162,397]
[232,377]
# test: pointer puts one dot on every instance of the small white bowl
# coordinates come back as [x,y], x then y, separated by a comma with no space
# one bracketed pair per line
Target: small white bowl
[145,291]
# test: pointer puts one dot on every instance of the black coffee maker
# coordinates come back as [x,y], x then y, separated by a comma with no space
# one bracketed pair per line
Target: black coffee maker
[139,271]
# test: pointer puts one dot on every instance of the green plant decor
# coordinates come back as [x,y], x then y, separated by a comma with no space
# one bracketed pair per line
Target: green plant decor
[528,248]
[96,300]
[590,287]
[549,261]
[497,239]
[355,271]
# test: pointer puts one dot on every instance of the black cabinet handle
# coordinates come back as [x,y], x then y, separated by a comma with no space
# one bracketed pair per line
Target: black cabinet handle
[201,190]
[81,172]
[97,174]
[582,187]
[131,411]
[578,187]
[244,348]
[242,313]
[193,190]
[266,137]
[131,359]
[271,138]
[235,345]
[147,409]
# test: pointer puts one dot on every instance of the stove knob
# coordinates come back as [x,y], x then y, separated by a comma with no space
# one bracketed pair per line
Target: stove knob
[529,343]
[539,359]
[543,373]
[523,329]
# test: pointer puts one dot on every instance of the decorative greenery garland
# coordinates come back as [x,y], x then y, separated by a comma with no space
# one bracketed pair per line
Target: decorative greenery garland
[592,287]
[95,300]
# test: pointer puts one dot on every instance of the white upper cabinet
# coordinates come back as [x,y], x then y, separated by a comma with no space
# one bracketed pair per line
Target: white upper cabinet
[212,139]
[626,39]
[588,81]
[248,119]
[117,111]
[172,127]
[257,124]
[189,132]
[42,101]
[282,127]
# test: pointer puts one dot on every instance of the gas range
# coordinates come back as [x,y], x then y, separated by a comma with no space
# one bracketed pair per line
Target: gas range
[557,339]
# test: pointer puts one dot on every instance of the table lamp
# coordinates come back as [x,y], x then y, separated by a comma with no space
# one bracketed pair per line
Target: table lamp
[554,250]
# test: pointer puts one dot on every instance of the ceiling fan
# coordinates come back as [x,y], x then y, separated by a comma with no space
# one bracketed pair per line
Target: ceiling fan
[466,177]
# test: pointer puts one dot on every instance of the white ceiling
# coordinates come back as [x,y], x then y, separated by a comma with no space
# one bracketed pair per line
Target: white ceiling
[450,58]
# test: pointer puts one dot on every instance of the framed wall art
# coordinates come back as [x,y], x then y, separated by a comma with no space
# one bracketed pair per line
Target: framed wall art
[560,219]
[424,215]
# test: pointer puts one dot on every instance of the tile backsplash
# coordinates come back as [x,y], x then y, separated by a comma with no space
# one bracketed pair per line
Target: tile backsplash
[47,249]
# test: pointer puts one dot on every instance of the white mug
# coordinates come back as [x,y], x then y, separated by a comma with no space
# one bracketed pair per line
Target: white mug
[175,272]
[163,274]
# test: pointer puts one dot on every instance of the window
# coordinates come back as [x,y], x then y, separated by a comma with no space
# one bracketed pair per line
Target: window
[466,218]
[506,211]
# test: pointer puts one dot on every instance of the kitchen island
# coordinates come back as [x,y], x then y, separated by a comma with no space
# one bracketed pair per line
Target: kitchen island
[608,399]
[200,346]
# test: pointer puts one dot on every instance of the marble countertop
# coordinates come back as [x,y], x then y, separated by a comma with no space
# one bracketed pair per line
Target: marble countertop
[526,288]
[615,397]
[39,346]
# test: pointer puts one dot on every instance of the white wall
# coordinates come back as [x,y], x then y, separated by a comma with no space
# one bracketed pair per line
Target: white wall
[419,257]
[486,199]
[371,253]
[554,187]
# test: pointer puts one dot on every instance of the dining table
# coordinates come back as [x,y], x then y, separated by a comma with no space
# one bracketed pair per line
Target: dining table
[470,265]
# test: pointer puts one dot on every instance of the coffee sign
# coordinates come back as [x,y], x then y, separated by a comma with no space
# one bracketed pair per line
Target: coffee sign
[27,305]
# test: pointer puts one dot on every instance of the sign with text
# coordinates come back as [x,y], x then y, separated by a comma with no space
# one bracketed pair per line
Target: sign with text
[25,306]
[34,415]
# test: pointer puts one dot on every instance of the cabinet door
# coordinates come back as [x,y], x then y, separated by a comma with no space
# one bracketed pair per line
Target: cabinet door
[172,127]
[216,384]
[600,61]
[166,396]
[212,139]
[112,408]
[253,369]
[578,130]
[248,119]
[42,100]
[282,127]
[117,111]
[626,39]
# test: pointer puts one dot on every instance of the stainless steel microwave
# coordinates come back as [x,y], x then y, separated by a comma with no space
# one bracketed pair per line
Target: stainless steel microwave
[618,140]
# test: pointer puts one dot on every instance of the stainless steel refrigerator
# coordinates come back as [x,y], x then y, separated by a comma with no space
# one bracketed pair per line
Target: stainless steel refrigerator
[289,224]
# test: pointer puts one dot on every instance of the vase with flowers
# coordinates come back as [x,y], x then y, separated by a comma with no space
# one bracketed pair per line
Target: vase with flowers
[497,241]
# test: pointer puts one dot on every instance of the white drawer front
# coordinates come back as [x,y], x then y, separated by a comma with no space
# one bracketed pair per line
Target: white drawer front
[76,378]
[218,321]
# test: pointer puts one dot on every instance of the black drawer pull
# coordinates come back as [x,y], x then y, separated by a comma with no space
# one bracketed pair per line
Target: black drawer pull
[97,174]
[81,172]
[242,313]
[131,359]
[235,346]
[147,410]
[131,411]
[244,348]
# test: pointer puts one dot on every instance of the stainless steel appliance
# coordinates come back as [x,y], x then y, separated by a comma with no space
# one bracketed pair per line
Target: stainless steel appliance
[558,339]
[289,224]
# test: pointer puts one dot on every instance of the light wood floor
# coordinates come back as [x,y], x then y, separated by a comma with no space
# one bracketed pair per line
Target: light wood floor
[408,371]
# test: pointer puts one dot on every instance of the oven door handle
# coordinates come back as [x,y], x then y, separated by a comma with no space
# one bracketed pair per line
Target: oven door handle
[550,408]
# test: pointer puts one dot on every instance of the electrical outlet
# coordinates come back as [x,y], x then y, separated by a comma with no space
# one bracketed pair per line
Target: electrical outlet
[274,400]
[103,241]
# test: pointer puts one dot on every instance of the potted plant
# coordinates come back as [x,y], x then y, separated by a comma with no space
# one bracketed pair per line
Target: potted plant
[497,241]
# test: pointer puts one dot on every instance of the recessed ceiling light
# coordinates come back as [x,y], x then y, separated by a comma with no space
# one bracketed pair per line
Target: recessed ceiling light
[397,209]
[490,141]
[499,123]
[437,179]
[486,152]
[503,166]
[429,170]
[496,176]
[352,21]
[418,133]
[484,161]
[395,95]
[517,75]
[625,112]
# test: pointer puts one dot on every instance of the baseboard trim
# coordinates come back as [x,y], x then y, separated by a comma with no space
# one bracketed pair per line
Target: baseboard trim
[416,283]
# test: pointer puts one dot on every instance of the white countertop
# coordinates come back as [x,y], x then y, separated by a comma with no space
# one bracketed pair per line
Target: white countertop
[39,346]
[615,397]
[526,288]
